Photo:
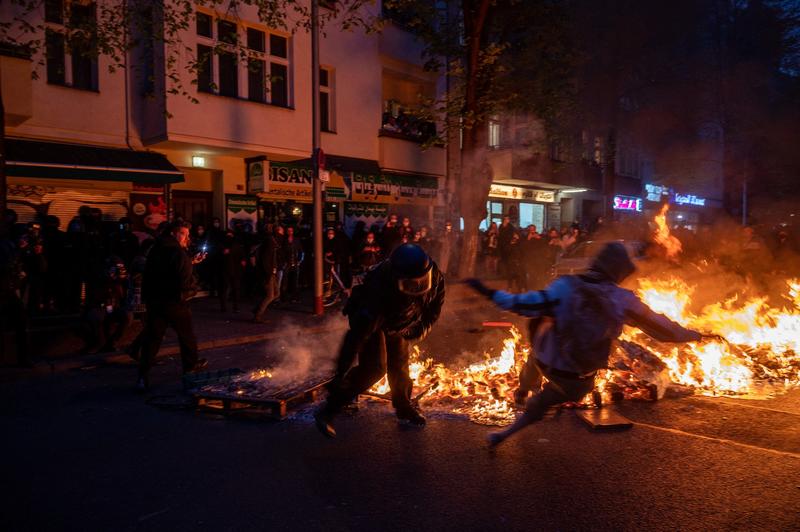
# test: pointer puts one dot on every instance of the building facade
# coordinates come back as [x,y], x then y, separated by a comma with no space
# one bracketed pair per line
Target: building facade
[231,139]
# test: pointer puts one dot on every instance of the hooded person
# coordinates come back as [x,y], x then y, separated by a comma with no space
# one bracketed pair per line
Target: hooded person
[400,300]
[575,322]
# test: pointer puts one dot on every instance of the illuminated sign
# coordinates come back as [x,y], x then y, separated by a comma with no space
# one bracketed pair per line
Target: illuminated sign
[627,203]
[656,192]
[508,192]
[689,199]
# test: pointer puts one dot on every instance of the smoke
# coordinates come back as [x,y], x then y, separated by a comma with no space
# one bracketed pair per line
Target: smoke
[306,351]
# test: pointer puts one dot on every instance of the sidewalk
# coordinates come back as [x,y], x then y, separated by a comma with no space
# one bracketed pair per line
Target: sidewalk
[62,345]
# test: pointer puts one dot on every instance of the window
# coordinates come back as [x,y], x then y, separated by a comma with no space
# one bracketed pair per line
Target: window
[71,58]
[204,26]
[278,46]
[255,40]
[54,11]
[227,32]
[326,116]
[220,62]
[256,75]
[205,69]
[279,84]
[228,74]
[55,50]
[494,133]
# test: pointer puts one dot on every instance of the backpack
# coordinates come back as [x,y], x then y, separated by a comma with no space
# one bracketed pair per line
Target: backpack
[588,326]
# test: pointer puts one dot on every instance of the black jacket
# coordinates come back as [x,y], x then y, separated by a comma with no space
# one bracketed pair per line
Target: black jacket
[168,273]
[378,304]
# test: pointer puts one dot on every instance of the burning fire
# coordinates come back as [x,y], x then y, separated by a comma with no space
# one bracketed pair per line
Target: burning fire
[760,355]
[663,237]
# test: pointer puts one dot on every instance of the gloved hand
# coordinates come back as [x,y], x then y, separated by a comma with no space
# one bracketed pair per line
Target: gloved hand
[478,286]
[412,333]
[714,337]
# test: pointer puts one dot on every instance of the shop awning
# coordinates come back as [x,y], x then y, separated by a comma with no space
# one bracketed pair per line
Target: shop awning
[54,160]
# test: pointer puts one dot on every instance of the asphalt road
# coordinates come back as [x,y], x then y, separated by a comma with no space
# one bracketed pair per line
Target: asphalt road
[82,451]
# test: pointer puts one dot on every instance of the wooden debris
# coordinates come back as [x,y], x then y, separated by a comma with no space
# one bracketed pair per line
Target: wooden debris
[604,419]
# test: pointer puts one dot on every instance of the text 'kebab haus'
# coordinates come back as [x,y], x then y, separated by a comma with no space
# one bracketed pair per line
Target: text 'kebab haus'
[750,348]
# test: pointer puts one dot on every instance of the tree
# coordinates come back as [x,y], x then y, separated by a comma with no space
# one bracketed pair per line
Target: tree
[497,55]
[116,29]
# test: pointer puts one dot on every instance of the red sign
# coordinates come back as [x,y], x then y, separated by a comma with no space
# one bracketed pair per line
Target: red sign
[627,203]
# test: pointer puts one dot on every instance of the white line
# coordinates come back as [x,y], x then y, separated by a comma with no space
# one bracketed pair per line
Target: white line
[717,440]
[725,401]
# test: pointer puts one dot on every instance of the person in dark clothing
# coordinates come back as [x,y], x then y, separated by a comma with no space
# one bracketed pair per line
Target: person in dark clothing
[370,253]
[124,244]
[12,311]
[504,234]
[233,263]
[391,235]
[214,240]
[400,300]
[107,312]
[293,252]
[267,271]
[168,285]
[577,318]
[515,271]
[34,264]
[535,257]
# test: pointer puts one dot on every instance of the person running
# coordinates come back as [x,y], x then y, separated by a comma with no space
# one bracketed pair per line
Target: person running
[577,319]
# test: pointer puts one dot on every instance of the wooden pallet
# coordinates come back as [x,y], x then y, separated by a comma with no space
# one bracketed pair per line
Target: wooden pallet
[272,407]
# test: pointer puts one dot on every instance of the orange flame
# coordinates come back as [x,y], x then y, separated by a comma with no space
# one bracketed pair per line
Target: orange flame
[663,237]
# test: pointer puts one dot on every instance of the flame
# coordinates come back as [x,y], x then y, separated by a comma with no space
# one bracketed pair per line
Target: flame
[663,237]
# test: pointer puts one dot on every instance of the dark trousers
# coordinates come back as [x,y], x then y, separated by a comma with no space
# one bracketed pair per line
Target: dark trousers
[558,388]
[270,285]
[230,287]
[106,328]
[378,354]
[160,316]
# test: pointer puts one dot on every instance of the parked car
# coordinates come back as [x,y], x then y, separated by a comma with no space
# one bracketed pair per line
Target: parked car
[578,258]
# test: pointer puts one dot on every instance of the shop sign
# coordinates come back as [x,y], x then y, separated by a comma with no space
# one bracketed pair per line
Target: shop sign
[392,188]
[627,203]
[288,182]
[241,209]
[689,199]
[517,193]
[256,177]
[366,210]
[656,193]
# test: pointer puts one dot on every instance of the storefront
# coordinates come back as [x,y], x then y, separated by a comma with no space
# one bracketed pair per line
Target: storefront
[525,207]
[357,190]
[56,179]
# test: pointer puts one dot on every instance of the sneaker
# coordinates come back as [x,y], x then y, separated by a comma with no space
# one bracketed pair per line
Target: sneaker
[200,365]
[411,415]
[495,438]
[324,424]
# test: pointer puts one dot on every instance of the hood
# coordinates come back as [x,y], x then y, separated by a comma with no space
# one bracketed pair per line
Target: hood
[613,263]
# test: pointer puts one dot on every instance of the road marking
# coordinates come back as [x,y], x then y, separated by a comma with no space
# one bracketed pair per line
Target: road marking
[717,440]
[724,401]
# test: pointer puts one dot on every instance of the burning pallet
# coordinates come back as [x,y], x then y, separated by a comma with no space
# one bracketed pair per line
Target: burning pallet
[241,394]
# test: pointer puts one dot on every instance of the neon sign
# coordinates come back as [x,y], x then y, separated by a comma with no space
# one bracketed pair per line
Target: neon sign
[627,203]
[689,199]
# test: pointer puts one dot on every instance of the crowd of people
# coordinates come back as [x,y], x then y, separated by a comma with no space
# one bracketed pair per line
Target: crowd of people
[95,267]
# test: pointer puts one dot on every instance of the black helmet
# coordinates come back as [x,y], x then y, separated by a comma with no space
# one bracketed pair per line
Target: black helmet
[412,268]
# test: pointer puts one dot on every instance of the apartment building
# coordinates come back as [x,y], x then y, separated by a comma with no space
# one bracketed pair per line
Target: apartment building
[237,145]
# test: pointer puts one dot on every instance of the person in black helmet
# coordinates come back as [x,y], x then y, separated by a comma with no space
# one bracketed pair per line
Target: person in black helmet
[399,300]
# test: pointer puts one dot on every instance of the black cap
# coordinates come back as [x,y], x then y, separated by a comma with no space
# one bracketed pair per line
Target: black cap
[410,261]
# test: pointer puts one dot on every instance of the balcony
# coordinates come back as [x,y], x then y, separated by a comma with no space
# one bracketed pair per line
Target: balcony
[399,153]
[17,86]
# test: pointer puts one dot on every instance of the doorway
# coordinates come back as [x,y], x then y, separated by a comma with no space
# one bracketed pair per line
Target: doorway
[193,206]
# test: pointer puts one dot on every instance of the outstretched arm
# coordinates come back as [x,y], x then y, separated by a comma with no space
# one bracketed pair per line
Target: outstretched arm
[657,325]
[531,304]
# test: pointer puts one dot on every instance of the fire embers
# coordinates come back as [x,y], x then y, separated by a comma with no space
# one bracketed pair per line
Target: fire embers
[760,356]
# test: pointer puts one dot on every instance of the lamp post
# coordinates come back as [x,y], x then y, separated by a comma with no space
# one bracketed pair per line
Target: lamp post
[315,152]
